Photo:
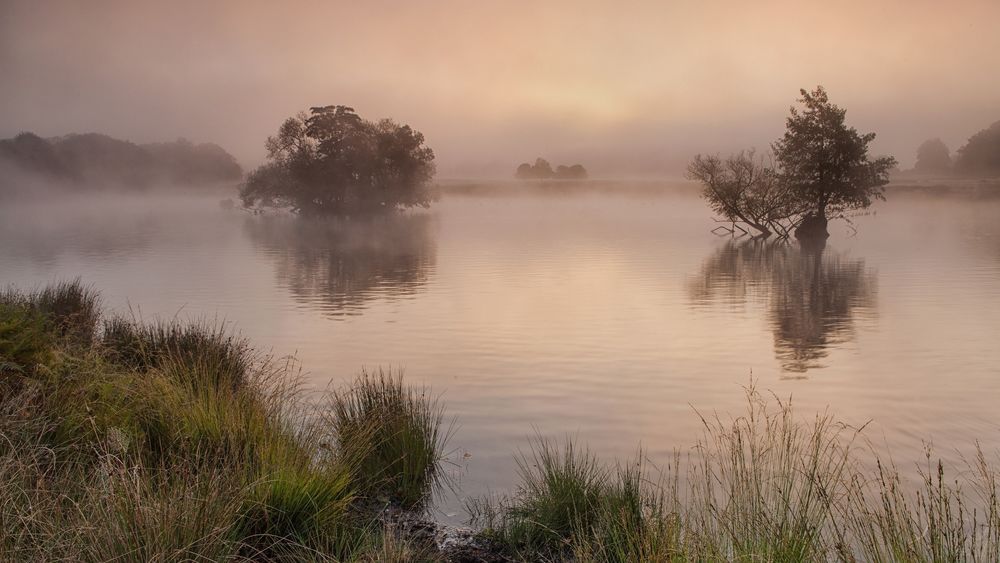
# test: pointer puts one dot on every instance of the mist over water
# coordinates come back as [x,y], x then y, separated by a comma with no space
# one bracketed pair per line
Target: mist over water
[605,315]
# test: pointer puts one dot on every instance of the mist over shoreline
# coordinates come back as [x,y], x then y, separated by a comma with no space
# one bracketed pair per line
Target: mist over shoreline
[635,91]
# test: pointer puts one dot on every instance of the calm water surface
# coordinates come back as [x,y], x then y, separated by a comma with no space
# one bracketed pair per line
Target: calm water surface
[602,316]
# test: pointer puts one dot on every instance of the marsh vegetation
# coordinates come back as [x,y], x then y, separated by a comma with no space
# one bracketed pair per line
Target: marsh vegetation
[125,440]
[165,441]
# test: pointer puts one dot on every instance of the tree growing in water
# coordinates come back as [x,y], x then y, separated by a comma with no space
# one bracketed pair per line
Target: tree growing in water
[822,170]
[746,190]
[333,162]
[826,163]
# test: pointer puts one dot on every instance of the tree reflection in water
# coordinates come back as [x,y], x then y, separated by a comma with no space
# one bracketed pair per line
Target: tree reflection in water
[812,294]
[340,266]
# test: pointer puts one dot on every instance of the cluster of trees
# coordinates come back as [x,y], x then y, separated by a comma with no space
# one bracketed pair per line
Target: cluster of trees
[820,170]
[332,162]
[980,156]
[97,159]
[542,170]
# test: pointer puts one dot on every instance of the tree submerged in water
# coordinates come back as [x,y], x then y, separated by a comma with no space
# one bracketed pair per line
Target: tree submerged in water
[822,171]
[333,162]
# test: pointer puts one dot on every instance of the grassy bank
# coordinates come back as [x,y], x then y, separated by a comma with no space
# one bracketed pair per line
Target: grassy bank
[764,486]
[130,441]
[160,442]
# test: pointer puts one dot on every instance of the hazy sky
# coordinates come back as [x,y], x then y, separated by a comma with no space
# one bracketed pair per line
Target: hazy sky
[624,87]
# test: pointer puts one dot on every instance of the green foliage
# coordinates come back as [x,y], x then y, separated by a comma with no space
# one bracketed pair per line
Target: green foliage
[333,162]
[164,460]
[168,442]
[31,323]
[559,493]
[940,520]
[72,309]
[69,310]
[24,340]
[294,508]
[393,435]
[209,349]
[568,503]
[765,484]
[137,513]
[826,162]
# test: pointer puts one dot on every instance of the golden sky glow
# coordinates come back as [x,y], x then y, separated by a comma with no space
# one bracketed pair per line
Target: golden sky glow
[627,87]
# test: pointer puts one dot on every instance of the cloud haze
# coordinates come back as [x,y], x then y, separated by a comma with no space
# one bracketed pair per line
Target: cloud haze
[624,87]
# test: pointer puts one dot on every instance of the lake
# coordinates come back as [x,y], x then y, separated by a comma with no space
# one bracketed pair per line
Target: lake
[607,315]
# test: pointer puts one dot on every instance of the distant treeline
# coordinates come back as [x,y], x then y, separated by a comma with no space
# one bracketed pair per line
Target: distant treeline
[100,160]
[980,156]
[542,170]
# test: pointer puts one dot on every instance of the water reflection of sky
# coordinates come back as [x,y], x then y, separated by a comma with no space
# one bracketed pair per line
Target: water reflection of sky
[605,317]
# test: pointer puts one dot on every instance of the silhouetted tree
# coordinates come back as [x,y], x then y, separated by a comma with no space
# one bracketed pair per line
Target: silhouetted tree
[826,162]
[32,153]
[542,170]
[184,162]
[101,160]
[743,189]
[333,162]
[981,154]
[933,157]
[822,170]
[575,172]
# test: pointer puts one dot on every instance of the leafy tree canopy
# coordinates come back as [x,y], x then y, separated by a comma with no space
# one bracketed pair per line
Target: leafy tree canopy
[332,162]
[821,169]
[826,162]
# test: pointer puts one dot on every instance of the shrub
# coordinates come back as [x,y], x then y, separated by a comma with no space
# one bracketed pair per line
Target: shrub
[24,340]
[293,508]
[210,350]
[393,435]
[169,442]
[570,504]
[73,310]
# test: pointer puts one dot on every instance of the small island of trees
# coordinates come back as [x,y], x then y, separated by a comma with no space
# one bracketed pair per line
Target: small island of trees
[821,170]
[333,162]
[542,170]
